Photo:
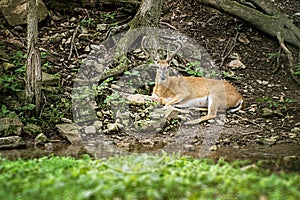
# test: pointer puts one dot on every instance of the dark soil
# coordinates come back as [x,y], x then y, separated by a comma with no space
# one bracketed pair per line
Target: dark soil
[261,85]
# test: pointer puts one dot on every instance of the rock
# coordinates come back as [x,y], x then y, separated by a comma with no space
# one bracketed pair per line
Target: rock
[136,99]
[213,148]
[293,135]
[102,27]
[87,48]
[236,64]
[40,139]
[56,38]
[171,113]
[114,126]
[7,66]
[32,129]
[49,147]
[73,19]
[267,141]
[15,12]
[99,68]
[49,79]
[66,120]
[11,142]
[295,130]
[243,39]
[98,124]
[150,126]
[90,130]
[10,126]
[267,112]
[19,28]
[70,132]
[55,18]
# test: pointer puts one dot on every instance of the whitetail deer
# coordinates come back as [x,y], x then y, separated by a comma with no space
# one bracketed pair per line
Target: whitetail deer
[192,92]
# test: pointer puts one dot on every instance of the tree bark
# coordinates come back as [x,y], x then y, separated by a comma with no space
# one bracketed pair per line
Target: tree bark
[262,15]
[148,14]
[33,63]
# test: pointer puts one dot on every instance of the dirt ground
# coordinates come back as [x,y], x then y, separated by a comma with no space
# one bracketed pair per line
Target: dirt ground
[263,88]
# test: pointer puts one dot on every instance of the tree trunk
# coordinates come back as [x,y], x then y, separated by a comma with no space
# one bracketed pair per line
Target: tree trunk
[33,63]
[262,15]
[148,14]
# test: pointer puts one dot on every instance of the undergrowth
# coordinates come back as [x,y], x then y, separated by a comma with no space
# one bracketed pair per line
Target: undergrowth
[142,177]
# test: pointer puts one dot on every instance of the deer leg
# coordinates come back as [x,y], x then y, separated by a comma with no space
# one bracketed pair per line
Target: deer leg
[178,98]
[212,112]
[171,101]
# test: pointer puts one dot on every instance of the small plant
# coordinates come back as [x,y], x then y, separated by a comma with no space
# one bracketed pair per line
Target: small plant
[132,73]
[100,89]
[229,75]
[195,69]
[19,59]
[47,65]
[88,21]
[28,107]
[44,54]
[112,97]
[23,113]
[4,110]
[9,82]
[108,16]
[273,55]
[297,72]
[274,104]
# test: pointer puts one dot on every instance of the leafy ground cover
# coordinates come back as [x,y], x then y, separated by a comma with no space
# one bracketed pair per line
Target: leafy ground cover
[142,177]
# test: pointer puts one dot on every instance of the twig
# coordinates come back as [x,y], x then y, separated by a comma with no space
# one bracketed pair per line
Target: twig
[230,50]
[3,59]
[167,24]
[209,20]
[246,120]
[73,45]
[252,132]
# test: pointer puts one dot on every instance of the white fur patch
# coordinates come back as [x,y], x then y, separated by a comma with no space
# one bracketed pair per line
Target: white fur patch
[239,106]
[197,102]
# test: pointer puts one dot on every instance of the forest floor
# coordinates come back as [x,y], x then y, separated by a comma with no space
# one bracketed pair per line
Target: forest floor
[271,95]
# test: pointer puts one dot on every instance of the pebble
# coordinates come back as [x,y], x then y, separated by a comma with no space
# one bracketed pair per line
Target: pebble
[189,147]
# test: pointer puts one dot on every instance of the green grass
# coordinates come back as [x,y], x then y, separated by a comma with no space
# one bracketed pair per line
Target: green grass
[141,177]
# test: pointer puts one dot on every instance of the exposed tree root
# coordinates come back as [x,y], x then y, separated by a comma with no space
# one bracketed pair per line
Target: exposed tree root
[290,57]
[262,15]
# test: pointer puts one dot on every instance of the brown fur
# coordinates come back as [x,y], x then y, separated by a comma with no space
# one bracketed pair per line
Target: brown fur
[179,90]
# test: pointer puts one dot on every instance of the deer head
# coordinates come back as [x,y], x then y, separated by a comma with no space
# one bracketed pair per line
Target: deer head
[162,72]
